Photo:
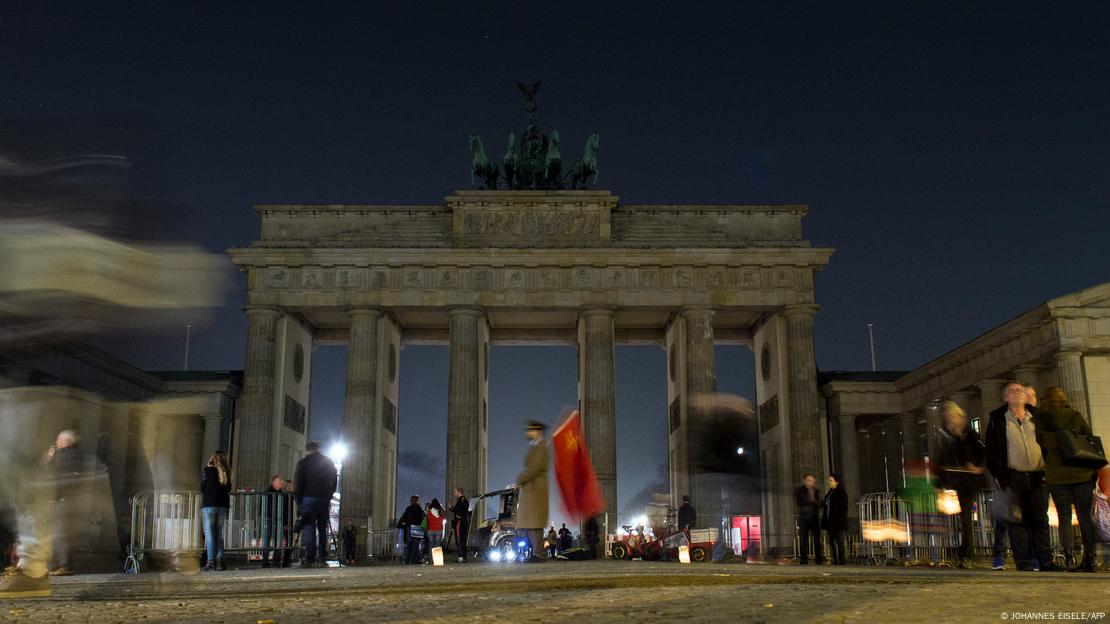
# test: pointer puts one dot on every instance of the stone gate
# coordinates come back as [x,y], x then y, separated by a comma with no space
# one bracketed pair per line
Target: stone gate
[534,267]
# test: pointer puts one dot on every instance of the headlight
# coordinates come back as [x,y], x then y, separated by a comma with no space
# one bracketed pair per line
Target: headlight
[495,555]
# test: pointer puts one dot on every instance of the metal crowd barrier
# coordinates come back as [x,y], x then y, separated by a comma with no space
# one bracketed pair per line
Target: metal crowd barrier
[170,523]
[894,532]
[384,544]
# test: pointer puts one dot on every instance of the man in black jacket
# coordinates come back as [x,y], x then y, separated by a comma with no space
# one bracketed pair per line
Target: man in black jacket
[687,516]
[412,518]
[808,500]
[1015,461]
[314,484]
[461,523]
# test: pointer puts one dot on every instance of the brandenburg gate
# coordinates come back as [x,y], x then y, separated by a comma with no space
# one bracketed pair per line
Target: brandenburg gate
[527,267]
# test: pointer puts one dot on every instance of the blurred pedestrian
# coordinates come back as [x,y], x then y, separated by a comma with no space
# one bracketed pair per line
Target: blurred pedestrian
[460,523]
[807,499]
[835,518]
[274,522]
[961,468]
[410,524]
[215,488]
[1068,485]
[437,517]
[687,515]
[532,481]
[592,533]
[566,540]
[1016,462]
[552,541]
[314,483]
[350,541]
[65,464]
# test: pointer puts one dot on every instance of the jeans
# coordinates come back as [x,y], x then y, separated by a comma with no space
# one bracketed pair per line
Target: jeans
[1029,538]
[807,529]
[1001,527]
[315,512]
[836,545]
[412,549]
[214,520]
[435,540]
[1065,496]
[967,527]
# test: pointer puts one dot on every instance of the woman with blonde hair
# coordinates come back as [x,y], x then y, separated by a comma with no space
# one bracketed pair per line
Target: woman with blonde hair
[215,488]
[962,456]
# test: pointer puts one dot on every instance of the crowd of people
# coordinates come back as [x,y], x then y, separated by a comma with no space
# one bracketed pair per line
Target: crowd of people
[1026,456]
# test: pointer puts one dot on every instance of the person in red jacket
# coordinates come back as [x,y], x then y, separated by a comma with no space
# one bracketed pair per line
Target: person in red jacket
[436,515]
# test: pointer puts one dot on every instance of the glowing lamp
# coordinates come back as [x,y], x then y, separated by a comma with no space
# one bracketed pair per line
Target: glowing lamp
[437,556]
[684,554]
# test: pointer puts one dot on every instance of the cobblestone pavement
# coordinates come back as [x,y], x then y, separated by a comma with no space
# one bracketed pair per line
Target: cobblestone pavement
[595,592]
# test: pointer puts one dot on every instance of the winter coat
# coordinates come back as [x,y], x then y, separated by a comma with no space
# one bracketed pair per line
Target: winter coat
[212,492]
[315,477]
[998,458]
[687,516]
[956,453]
[1047,424]
[834,512]
[531,507]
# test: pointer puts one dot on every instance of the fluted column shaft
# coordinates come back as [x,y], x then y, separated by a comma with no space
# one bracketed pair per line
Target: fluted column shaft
[1069,370]
[598,404]
[465,438]
[805,426]
[990,397]
[212,424]
[358,428]
[256,403]
[849,456]
[701,381]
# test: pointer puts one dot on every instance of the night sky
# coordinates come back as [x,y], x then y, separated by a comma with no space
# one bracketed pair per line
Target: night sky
[956,154]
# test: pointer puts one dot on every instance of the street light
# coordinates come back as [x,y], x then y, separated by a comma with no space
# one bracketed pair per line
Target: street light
[337,452]
[739,450]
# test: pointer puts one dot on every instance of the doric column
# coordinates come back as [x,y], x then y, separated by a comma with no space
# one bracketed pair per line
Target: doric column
[256,404]
[805,427]
[212,424]
[990,398]
[598,406]
[466,462]
[701,381]
[963,399]
[1069,370]
[1027,374]
[358,428]
[849,456]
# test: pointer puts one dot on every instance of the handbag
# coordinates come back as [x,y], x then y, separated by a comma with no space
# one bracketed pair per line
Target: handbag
[1100,514]
[1079,450]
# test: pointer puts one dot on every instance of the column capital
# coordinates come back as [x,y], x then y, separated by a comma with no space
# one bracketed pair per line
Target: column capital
[801,309]
[255,310]
[1066,354]
[700,311]
[959,395]
[987,383]
[467,311]
[601,311]
[359,312]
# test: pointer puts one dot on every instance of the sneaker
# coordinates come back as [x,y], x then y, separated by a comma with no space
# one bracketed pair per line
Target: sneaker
[16,584]
[998,564]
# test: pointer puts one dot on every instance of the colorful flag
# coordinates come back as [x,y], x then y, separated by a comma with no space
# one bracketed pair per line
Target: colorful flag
[574,471]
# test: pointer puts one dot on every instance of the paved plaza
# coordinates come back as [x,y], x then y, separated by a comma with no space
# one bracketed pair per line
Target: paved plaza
[582,592]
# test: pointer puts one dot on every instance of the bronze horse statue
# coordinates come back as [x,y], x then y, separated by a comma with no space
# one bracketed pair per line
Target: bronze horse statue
[585,169]
[481,166]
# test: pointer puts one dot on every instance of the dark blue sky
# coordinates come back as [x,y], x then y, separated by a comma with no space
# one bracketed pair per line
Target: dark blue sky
[956,154]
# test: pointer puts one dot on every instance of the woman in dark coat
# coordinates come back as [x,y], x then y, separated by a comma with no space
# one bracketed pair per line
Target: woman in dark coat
[1068,485]
[215,488]
[962,456]
[834,518]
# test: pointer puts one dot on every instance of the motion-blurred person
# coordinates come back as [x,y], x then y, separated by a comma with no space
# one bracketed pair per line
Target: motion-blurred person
[961,459]
[552,541]
[687,515]
[1068,485]
[835,518]
[350,540]
[410,524]
[274,521]
[314,483]
[566,540]
[460,523]
[808,500]
[1016,462]
[532,505]
[64,462]
[592,533]
[437,516]
[215,488]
